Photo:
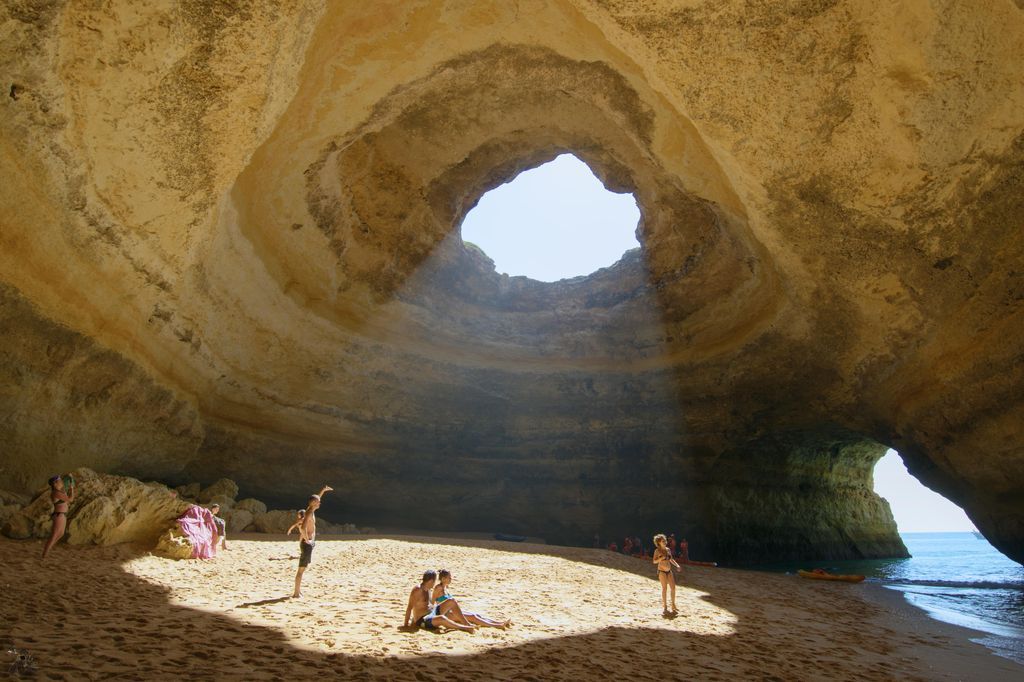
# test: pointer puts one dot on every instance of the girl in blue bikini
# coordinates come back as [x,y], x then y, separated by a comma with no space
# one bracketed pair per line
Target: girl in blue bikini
[441,595]
[423,612]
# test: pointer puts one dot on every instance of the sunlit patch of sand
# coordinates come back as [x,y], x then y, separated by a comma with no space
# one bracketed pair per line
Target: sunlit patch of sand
[354,594]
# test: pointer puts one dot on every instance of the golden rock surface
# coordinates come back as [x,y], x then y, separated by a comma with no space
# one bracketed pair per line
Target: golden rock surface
[229,246]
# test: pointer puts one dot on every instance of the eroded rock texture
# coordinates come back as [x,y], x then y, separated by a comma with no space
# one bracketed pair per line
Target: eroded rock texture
[229,246]
[107,510]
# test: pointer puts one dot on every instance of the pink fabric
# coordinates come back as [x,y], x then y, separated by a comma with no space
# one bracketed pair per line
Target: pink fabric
[198,525]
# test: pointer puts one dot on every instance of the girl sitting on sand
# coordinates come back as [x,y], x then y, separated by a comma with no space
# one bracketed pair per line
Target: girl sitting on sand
[422,611]
[61,503]
[663,558]
[441,595]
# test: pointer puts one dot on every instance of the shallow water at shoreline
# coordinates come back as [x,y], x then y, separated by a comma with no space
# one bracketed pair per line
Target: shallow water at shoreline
[957,578]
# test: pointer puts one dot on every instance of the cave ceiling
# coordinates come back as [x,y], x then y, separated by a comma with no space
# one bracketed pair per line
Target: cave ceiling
[230,244]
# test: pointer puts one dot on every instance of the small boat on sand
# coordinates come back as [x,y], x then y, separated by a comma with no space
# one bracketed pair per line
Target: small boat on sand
[509,538]
[818,574]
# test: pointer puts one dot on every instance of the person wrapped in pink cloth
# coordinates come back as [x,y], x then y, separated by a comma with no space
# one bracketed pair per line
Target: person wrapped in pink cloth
[199,526]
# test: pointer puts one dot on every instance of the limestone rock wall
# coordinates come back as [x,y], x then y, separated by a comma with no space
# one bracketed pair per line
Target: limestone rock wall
[801,496]
[229,246]
[107,510]
[65,400]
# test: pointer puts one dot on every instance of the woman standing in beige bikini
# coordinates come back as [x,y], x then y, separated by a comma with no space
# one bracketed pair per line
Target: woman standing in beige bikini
[665,562]
[61,503]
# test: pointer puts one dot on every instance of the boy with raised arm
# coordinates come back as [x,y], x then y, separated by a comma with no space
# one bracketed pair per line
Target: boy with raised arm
[307,537]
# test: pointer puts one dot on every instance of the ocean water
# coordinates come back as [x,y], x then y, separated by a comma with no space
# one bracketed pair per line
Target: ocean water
[958,578]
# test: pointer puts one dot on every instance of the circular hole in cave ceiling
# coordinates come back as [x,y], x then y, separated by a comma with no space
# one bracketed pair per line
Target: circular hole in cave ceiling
[553,222]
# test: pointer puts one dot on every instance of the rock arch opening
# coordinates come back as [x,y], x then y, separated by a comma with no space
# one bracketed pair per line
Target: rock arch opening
[797,493]
[915,507]
[556,221]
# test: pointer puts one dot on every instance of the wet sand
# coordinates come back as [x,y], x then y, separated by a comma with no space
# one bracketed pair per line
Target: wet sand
[118,613]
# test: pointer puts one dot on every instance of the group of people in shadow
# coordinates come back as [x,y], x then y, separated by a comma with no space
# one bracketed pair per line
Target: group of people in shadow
[634,546]
[431,606]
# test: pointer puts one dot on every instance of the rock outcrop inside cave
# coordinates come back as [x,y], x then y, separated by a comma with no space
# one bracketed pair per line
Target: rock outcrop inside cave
[110,510]
[107,510]
[229,247]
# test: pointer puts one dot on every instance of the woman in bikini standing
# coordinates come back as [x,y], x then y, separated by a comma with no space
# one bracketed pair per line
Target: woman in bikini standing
[61,503]
[665,562]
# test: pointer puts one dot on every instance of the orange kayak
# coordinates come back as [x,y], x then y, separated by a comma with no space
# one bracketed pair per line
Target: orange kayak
[814,575]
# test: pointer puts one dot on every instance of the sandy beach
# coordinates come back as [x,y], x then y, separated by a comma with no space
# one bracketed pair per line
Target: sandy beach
[119,613]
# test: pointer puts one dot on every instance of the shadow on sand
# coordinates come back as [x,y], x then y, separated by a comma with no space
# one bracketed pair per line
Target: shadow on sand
[72,634]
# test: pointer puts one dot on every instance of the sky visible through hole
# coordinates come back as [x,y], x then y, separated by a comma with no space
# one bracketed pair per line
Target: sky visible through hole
[558,221]
[553,222]
[917,509]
